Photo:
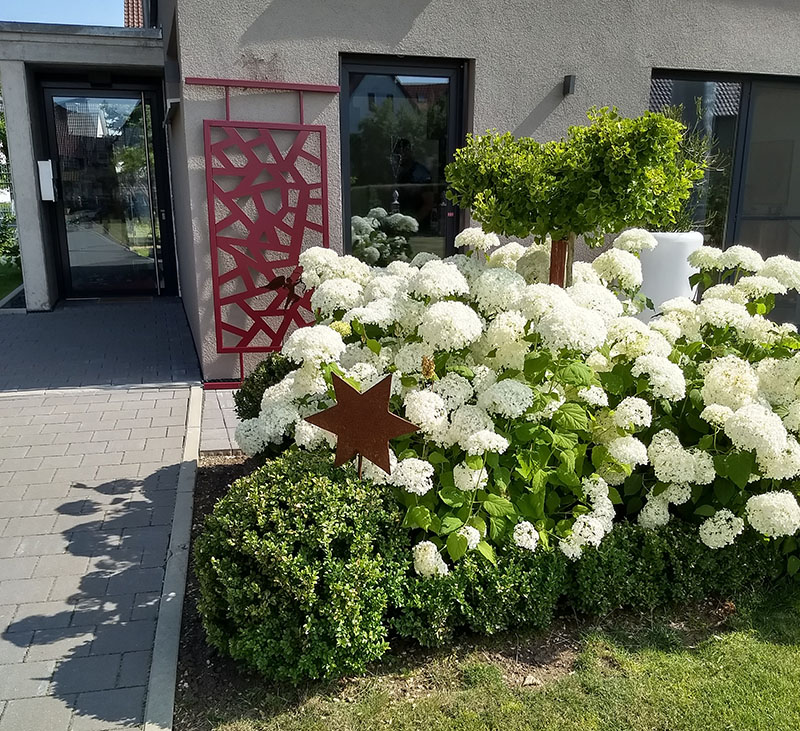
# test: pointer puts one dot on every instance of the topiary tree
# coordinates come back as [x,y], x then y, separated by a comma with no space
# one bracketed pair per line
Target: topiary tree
[611,174]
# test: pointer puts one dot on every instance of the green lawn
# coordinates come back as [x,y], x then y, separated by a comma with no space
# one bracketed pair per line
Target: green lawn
[708,669]
[10,279]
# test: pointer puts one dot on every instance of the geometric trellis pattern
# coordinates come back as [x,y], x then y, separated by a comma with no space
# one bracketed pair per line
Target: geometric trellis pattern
[267,201]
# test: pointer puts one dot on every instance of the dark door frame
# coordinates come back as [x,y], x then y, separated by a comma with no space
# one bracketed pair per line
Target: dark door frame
[152,92]
[454,69]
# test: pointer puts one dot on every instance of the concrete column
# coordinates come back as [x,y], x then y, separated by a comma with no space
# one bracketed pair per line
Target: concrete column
[40,288]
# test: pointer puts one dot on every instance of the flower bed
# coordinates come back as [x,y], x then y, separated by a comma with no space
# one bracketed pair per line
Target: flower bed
[546,414]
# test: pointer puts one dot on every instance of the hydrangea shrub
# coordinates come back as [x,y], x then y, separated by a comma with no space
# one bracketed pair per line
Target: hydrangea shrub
[380,238]
[547,415]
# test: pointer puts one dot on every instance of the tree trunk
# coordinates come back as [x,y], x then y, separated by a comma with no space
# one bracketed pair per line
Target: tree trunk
[562,254]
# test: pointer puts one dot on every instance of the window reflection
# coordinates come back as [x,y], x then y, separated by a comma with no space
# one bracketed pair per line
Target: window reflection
[398,133]
[707,108]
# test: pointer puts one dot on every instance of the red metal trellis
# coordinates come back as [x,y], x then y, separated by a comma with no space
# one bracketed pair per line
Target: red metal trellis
[266,185]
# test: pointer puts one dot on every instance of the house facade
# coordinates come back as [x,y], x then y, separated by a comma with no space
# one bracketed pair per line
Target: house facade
[197,156]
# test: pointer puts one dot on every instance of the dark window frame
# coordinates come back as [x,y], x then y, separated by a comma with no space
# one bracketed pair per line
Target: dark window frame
[456,69]
[744,125]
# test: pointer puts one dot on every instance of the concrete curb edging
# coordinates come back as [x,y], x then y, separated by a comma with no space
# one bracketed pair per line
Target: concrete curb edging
[163,671]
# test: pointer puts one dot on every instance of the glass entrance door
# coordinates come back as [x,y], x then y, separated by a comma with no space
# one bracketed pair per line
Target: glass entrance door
[109,218]
[401,123]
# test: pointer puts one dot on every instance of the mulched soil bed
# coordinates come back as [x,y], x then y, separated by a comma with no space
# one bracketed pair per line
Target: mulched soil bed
[212,688]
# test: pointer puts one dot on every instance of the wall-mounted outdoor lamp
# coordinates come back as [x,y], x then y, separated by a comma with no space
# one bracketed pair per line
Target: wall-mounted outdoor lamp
[569,85]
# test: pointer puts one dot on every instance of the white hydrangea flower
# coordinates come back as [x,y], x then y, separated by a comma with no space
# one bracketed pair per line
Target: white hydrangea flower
[655,512]
[784,269]
[628,450]
[666,378]
[449,326]
[704,472]
[316,344]
[249,435]
[466,420]
[677,494]
[730,381]
[401,223]
[455,390]
[526,536]
[632,414]
[597,298]
[720,529]
[621,266]
[682,305]
[755,287]
[792,419]
[534,264]
[507,256]
[671,462]
[778,380]
[374,473]
[497,290]
[587,530]
[754,427]
[427,410]
[472,536]
[413,475]
[707,258]
[583,273]
[783,465]
[469,480]
[385,287]
[483,378]
[741,257]
[310,436]
[401,269]
[437,280]
[635,240]
[593,395]
[774,514]
[716,415]
[336,294]
[476,239]
[305,381]
[379,312]
[598,362]
[470,266]
[572,328]
[421,259]
[725,292]
[409,358]
[631,338]
[507,398]
[316,262]
[428,562]
[484,441]
[668,327]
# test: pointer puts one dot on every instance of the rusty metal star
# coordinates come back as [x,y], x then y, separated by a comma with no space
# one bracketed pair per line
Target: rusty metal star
[362,422]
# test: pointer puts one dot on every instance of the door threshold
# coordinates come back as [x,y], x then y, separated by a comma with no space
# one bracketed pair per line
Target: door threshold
[108,300]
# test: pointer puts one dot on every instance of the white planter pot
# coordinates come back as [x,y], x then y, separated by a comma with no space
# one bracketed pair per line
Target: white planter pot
[665,270]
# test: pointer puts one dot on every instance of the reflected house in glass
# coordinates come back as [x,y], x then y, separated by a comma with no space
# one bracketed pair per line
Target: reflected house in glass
[376,95]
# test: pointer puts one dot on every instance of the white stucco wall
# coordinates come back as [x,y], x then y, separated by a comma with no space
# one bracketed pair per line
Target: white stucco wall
[519,52]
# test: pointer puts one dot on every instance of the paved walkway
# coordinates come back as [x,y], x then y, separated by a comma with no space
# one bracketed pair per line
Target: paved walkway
[88,480]
[219,423]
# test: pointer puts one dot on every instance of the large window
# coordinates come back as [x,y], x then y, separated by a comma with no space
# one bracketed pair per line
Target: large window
[751,195]
[401,123]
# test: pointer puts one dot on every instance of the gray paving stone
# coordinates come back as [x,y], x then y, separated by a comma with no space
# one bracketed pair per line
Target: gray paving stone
[30,526]
[13,648]
[61,565]
[42,615]
[124,637]
[145,605]
[42,545]
[20,591]
[8,546]
[18,508]
[137,580]
[82,674]
[37,714]
[52,644]
[29,680]
[109,710]
[105,610]
[134,669]
[17,568]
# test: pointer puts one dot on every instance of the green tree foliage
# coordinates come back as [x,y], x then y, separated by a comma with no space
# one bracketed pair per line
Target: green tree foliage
[611,174]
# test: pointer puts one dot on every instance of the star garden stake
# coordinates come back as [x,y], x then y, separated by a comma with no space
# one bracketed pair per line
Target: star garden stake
[363,423]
